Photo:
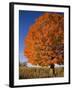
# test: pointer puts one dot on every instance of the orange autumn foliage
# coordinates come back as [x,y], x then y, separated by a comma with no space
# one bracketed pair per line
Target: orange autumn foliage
[44,43]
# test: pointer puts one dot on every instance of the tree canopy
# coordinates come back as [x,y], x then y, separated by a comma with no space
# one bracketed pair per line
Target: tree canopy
[44,43]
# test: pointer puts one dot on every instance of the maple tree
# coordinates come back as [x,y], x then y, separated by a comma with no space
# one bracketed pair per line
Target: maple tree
[44,43]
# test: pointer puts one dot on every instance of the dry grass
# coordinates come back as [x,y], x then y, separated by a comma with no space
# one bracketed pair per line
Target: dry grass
[37,72]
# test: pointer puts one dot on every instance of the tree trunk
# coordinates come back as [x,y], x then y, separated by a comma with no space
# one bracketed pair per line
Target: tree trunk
[52,67]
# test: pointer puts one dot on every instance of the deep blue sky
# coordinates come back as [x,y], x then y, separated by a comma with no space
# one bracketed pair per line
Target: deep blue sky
[26,18]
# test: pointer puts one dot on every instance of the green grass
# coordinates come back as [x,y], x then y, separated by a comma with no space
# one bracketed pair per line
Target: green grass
[39,72]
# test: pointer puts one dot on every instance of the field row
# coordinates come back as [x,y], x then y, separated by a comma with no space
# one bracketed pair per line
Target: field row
[33,72]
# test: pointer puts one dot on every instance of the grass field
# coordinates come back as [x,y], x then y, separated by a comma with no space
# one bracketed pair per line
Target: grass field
[39,72]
